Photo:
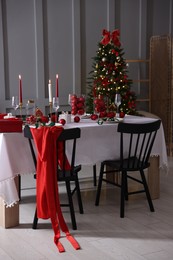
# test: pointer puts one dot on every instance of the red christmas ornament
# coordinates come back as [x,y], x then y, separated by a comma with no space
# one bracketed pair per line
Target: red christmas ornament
[94,117]
[76,119]
[122,114]
[44,119]
[62,121]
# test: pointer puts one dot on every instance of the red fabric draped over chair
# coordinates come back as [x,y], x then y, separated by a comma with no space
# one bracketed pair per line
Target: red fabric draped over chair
[48,204]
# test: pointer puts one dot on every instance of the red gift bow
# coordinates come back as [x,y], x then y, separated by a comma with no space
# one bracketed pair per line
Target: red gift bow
[48,204]
[114,36]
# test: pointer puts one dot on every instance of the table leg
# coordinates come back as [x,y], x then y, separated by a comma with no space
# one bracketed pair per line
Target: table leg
[114,176]
[154,177]
[9,217]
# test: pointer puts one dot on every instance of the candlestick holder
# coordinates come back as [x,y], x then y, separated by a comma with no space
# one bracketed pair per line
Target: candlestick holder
[20,107]
[50,107]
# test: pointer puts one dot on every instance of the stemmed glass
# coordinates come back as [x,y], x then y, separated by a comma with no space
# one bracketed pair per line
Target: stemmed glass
[70,99]
[15,103]
[96,106]
[55,104]
[117,103]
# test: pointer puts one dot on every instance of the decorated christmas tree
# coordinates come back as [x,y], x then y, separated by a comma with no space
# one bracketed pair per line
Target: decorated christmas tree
[109,76]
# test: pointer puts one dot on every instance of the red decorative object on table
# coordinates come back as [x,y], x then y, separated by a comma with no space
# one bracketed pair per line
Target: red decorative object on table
[77,105]
[11,125]
[62,121]
[76,119]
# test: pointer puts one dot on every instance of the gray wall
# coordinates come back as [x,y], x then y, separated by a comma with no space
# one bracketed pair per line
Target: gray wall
[39,38]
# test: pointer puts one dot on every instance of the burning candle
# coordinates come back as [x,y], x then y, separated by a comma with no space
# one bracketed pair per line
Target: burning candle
[57,94]
[50,91]
[20,89]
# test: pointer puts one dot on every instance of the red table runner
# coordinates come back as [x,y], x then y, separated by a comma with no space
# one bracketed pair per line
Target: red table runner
[48,204]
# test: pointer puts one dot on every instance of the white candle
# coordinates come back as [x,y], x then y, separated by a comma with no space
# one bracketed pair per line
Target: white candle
[50,91]
[57,92]
[20,89]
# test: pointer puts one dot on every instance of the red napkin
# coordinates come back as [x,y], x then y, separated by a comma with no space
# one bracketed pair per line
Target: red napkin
[48,204]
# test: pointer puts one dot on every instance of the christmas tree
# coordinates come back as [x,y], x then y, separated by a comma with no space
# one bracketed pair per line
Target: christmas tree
[109,76]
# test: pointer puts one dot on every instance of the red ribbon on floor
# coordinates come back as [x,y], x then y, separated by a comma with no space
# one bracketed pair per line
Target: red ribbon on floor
[48,204]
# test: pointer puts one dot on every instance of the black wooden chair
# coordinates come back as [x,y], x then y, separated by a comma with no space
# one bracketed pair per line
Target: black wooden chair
[63,175]
[94,175]
[136,141]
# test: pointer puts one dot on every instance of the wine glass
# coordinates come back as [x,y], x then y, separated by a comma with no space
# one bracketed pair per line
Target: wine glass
[30,107]
[55,103]
[117,103]
[15,103]
[70,99]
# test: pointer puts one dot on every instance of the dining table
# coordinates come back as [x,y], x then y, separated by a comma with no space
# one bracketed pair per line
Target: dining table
[97,143]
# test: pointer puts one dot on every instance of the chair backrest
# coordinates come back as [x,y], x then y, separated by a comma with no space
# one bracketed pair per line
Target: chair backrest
[28,134]
[67,135]
[136,142]
[70,135]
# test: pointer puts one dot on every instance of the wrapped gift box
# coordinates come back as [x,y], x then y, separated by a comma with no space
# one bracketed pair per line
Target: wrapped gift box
[11,125]
[65,116]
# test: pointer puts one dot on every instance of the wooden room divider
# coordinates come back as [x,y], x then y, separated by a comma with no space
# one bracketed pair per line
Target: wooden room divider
[161,84]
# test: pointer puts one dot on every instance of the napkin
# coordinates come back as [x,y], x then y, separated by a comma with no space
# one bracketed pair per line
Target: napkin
[48,204]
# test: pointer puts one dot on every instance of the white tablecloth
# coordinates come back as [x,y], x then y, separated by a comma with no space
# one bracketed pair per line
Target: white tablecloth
[15,159]
[97,143]
[100,142]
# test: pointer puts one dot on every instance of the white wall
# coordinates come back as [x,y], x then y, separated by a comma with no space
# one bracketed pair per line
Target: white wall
[39,38]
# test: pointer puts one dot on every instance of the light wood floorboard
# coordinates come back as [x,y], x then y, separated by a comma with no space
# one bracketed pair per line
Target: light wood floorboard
[102,234]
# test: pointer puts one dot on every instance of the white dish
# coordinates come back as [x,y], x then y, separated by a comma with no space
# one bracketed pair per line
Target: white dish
[117,120]
[58,124]
[86,117]
[7,117]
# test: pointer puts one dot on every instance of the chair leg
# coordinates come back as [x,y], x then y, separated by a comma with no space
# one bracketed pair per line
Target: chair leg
[35,221]
[79,196]
[19,188]
[123,190]
[70,200]
[99,185]
[126,187]
[94,175]
[147,191]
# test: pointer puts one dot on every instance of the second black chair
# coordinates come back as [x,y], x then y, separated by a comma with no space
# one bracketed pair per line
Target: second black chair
[63,175]
[136,142]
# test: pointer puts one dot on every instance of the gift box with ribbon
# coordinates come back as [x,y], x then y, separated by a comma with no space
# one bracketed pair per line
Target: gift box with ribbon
[66,117]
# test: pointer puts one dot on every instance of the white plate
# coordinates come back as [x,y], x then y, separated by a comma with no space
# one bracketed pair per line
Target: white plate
[8,117]
[86,117]
[58,124]
[117,120]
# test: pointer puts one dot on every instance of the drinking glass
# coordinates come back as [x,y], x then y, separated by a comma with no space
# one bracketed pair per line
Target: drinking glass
[15,103]
[117,103]
[69,99]
[30,107]
[55,103]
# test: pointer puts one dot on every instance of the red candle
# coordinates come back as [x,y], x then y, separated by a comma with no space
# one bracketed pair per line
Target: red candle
[57,94]
[20,89]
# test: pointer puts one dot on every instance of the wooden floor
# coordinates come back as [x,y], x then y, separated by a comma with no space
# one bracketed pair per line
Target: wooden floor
[101,233]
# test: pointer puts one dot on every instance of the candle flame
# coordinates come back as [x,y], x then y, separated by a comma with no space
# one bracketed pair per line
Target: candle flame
[20,77]
[57,76]
[49,81]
